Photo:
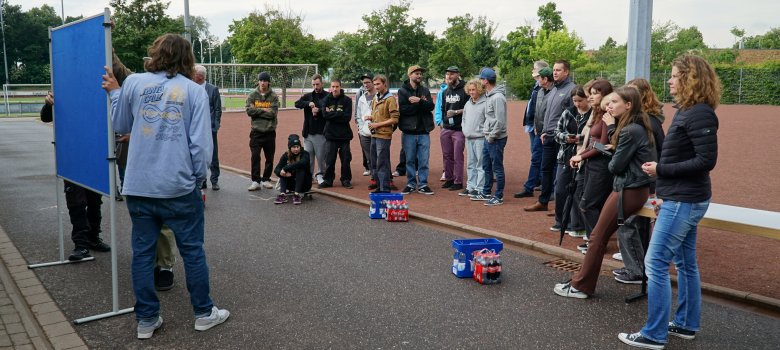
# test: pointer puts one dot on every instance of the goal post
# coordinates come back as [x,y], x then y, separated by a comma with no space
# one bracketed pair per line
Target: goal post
[237,80]
[23,99]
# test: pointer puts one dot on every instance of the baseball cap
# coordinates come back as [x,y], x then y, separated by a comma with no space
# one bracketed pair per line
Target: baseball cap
[453,69]
[487,73]
[546,72]
[414,68]
[366,76]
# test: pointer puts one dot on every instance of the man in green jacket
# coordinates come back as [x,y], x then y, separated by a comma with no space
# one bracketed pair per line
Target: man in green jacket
[262,106]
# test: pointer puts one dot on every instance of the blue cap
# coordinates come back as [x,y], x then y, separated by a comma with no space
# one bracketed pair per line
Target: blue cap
[487,73]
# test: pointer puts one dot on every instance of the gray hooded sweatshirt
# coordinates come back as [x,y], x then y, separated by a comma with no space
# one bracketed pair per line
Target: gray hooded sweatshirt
[474,118]
[495,114]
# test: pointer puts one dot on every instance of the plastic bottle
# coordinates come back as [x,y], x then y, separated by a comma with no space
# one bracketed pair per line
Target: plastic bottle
[491,270]
[497,275]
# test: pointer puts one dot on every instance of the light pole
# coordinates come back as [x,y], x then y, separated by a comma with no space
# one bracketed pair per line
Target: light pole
[62,6]
[2,28]
[187,21]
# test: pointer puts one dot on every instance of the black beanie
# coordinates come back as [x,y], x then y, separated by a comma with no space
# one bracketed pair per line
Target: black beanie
[293,140]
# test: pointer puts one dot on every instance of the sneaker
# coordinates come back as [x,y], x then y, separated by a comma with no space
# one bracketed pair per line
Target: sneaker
[677,331]
[346,184]
[538,188]
[146,332]
[465,193]
[481,197]
[297,199]
[473,193]
[425,190]
[372,185]
[254,186]
[566,290]
[100,246]
[494,201]
[625,278]
[267,184]
[79,254]
[619,271]
[617,256]
[576,233]
[523,194]
[637,340]
[555,228]
[447,184]
[456,187]
[366,172]
[583,246]
[319,178]
[443,177]
[280,199]
[215,186]
[584,251]
[325,185]
[407,190]
[216,317]
[396,173]
[163,279]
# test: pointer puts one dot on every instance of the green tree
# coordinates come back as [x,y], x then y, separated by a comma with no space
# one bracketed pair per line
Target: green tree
[27,43]
[395,40]
[610,55]
[273,36]
[484,47]
[515,61]
[137,24]
[559,45]
[349,56]
[466,43]
[769,40]
[669,41]
[550,17]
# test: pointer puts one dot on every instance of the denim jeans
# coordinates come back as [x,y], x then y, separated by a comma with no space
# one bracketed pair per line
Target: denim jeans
[535,171]
[380,162]
[418,150]
[673,240]
[476,175]
[493,163]
[184,215]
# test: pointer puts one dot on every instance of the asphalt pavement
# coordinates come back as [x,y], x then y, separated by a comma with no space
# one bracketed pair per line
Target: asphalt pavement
[324,275]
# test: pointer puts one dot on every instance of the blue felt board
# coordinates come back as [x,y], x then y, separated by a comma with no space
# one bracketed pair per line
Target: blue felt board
[81,130]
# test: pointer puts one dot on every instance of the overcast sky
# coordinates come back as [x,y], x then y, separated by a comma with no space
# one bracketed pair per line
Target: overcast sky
[593,20]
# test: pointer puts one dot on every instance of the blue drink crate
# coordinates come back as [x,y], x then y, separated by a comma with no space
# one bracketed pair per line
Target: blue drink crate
[378,209]
[463,249]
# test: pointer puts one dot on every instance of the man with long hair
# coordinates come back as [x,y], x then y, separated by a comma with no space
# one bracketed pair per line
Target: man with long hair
[168,114]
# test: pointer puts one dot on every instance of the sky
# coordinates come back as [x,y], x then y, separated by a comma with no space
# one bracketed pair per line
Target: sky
[593,20]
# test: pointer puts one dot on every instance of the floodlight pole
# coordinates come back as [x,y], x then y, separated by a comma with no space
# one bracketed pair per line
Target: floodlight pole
[2,28]
[62,6]
[187,25]
[640,24]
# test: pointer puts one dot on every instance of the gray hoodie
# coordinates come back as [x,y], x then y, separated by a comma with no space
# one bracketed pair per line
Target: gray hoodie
[495,114]
[559,101]
[474,118]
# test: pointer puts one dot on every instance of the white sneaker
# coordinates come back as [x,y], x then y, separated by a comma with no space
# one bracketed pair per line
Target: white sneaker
[566,290]
[396,174]
[577,233]
[254,186]
[617,256]
[217,317]
[320,179]
[267,184]
[146,332]
[443,177]
[366,172]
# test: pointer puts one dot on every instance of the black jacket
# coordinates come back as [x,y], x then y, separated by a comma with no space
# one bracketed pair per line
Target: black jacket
[300,165]
[454,98]
[314,125]
[46,113]
[415,118]
[689,152]
[337,112]
[633,150]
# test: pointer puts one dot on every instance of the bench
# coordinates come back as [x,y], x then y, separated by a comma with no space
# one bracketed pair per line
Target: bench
[736,219]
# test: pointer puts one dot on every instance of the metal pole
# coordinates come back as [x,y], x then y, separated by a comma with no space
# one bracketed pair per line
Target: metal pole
[187,28]
[739,97]
[62,5]
[640,22]
[2,28]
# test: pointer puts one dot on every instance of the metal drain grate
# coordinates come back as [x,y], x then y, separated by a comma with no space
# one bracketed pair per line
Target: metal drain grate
[564,265]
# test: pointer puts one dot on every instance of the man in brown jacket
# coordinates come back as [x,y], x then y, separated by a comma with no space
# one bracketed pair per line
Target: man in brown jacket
[384,116]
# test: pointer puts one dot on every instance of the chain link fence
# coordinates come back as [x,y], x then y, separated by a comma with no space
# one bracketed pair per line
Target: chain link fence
[236,81]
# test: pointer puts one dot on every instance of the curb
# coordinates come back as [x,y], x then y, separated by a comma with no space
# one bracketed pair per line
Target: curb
[706,288]
[44,323]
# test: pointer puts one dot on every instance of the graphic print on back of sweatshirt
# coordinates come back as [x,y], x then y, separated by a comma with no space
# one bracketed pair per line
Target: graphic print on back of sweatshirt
[161,110]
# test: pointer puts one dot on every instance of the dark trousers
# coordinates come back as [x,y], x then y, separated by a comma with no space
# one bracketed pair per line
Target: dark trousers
[265,142]
[563,180]
[215,160]
[549,160]
[534,171]
[595,189]
[299,181]
[633,199]
[84,211]
[365,147]
[380,162]
[401,167]
[332,149]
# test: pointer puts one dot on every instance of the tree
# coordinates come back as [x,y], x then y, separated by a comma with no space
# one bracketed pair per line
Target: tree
[769,40]
[349,59]
[274,36]
[515,61]
[199,32]
[137,24]
[27,43]
[738,34]
[559,45]
[395,40]
[610,55]
[669,41]
[484,48]
[466,43]
[550,17]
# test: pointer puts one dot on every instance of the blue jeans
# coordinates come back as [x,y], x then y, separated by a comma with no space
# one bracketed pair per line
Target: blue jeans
[673,240]
[535,171]
[184,215]
[418,150]
[493,163]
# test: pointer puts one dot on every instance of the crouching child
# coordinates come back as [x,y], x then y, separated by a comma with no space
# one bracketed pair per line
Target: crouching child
[293,171]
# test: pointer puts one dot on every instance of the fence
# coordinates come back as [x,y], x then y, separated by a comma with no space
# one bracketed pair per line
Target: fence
[23,99]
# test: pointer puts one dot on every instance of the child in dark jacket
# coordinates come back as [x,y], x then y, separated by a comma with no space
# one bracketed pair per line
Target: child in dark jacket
[293,171]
